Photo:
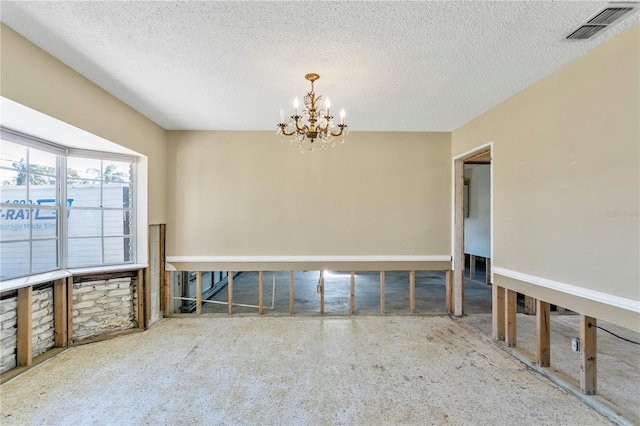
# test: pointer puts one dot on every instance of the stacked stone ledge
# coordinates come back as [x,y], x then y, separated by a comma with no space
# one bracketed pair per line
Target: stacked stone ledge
[42,327]
[8,320]
[102,307]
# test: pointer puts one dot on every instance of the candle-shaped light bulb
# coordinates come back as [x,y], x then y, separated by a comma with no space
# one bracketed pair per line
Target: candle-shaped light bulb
[295,105]
[342,116]
[281,115]
[327,105]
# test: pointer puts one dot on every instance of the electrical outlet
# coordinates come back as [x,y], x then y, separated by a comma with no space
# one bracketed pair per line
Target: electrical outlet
[575,345]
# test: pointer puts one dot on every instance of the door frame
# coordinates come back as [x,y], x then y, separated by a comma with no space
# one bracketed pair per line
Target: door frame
[457,221]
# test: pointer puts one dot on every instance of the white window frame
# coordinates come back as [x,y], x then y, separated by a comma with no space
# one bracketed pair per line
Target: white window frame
[61,206]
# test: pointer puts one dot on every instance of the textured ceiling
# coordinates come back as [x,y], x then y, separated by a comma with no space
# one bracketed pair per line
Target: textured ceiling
[393,66]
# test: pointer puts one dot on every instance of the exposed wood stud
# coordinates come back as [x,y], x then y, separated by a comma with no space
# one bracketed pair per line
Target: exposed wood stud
[322,292]
[69,310]
[588,355]
[543,333]
[260,292]
[472,267]
[104,276]
[382,292]
[230,291]
[449,291]
[529,305]
[511,298]
[147,297]
[198,292]
[140,296]
[497,312]
[353,292]
[60,313]
[162,276]
[290,292]
[24,354]
[412,291]
[487,265]
[167,293]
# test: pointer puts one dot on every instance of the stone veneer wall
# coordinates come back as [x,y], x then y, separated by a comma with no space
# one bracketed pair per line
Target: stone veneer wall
[42,329]
[8,319]
[102,307]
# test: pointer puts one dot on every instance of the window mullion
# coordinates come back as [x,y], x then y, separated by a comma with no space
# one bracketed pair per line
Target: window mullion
[63,214]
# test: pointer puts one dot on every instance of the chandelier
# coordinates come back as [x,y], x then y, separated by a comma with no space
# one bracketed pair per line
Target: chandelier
[314,123]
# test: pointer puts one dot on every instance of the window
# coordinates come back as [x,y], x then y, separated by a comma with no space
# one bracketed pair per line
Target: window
[38,232]
[100,211]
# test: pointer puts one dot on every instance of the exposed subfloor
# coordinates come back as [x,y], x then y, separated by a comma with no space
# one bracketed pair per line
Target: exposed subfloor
[365,370]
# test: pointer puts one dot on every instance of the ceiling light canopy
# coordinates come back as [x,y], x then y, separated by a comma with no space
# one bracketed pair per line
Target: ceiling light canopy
[314,123]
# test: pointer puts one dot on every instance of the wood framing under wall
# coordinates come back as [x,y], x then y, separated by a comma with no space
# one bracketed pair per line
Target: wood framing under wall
[60,313]
[588,355]
[62,294]
[290,292]
[543,334]
[23,336]
[511,306]
[352,293]
[497,312]
[382,302]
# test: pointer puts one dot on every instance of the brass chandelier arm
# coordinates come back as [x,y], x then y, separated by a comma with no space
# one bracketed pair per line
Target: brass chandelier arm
[342,127]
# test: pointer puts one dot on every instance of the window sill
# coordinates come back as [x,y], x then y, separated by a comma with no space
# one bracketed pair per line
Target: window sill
[16,283]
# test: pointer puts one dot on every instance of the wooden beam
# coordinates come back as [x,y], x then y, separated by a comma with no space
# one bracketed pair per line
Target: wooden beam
[487,265]
[101,276]
[162,255]
[412,292]
[198,292]
[511,305]
[382,292]
[497,312]
[167,293]
[60,313]
[69,310]
[147,297]
[588,355]
[24,354]
[472,267]
[529,305]
[140,296]
[322,292]
[448,291]
[230,291]
[353,292]
[543,333]
[290,292]
[260,292]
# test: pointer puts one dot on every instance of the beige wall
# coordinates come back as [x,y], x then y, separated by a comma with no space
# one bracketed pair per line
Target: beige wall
[566,154]
[37,80]
[245,193]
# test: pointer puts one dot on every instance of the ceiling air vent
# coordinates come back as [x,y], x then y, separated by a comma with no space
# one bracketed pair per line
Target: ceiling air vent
[609,15]
[601,20]
[585,32]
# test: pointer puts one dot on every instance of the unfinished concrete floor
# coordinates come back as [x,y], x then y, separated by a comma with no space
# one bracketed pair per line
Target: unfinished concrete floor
[369,370]
[430,293]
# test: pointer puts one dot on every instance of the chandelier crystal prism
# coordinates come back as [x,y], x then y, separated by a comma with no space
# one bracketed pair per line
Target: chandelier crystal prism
[314,123]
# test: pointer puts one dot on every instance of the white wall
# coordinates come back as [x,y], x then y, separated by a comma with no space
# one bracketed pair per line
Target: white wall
[477,227]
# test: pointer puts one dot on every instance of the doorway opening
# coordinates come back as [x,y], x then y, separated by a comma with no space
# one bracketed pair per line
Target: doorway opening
[472,231]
